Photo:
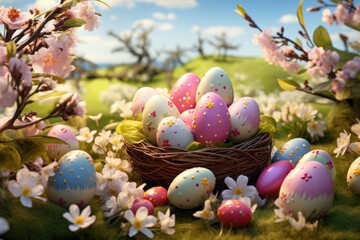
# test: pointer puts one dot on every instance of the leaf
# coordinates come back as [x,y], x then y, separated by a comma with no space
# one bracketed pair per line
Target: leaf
[355,45]
[54,94]
[241,11]
[9,158]
[343,94]
[131,130]
[29,151]
[321,38]
[267,125]
[103,3]
[344,56]
[194,146]
[324,86]
[223,144]
[58,79]
[300,15]
[73,23]
[11,49]
[287,84]
[298,42]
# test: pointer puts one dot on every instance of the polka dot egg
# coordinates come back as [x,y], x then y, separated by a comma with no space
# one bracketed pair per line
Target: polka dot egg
[140,98]
[65,133]
[293,150]
[74,180]
[157,196]
[234,213]
[353,177]
[191,188]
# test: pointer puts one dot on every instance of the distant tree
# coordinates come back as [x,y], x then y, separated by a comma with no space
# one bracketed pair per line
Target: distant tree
[82,69]
[172,60]
[199,45]
[223,45]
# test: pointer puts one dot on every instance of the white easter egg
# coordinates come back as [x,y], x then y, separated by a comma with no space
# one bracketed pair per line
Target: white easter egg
[174,132]
[191,188]
[353,176]
[140,98]
[56,151]
[156,108]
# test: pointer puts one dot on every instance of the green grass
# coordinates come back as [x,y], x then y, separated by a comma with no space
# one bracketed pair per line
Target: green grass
[45,221]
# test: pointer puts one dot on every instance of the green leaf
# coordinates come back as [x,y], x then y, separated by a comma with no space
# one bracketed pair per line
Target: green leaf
[298,42]
[29,151]
[343,94]
[324,86]
[194,146]
[131,130]
[321,38]
[9,158]
[55,94]
[267,125]
[36,77]
[300,15]
[223,144]
[241,11]
[344,56]
[355,45]
[103,3]
[74,22]
[11,49]
[287,84]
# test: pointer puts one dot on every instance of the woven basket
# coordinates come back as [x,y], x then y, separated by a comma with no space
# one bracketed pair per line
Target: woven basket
[159,166]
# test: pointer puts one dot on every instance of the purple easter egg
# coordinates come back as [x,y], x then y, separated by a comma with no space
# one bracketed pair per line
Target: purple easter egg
[211,120]
[142,203]
[271,178]
[65,133]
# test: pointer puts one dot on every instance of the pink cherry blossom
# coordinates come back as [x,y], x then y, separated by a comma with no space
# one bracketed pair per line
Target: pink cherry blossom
[356,15]
[321,62]
[8,94]
[64,41]
[327,17]
[342,15]
[352,67]
[18,67]
[3,54]
[86,12]
[14,18]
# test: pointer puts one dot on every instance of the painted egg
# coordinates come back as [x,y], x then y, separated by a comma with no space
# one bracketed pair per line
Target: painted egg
[65,133]
[353,177]
[245,119]
[271,178]
[308,188]
[293,150]
[211,120]
[191,188]
[157,196]
[142,203]
[187,116]
[74,180]
[183,93]
[322,157]
[140,98]
[174,132]
[156,109]
[234,213]
[216,80]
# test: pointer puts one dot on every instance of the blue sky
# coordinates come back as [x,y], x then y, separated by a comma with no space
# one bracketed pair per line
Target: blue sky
[175,21]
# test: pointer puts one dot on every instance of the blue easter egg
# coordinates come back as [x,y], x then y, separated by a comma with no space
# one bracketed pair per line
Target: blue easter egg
[74,180]
[293,150]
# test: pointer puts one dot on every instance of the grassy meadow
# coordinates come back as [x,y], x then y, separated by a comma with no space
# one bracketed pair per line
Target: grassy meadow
[45,221]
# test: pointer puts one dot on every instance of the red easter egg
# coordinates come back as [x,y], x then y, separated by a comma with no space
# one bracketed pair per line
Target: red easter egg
[271,178]
[234,213]
[142,203]
[157,196]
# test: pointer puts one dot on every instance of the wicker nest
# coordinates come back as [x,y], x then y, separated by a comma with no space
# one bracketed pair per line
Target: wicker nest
[159,166]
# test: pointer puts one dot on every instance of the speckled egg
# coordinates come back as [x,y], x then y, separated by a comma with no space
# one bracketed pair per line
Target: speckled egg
[271,178]
[234,213]
[211,120]
[183,93]
[74,180]
[245,119]
[156,109]
[65,133]
[216,80]
[308,188]
[157,196]
[191,188]
[187,116]
[142,203]
[174,132]
[353,177]
[140,98]
[322,157]
[293,150]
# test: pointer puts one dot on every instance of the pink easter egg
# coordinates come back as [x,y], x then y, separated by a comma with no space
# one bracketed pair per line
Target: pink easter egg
[140,98]
[65,133]
[183,93]
[308,188]
[234,213]
[271,178]
[142,203]
[157,196]
[211,120]
[187,116]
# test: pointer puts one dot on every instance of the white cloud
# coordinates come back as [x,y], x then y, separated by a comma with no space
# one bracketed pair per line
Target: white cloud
[44,4]
[172,3]
[165,27]
[288,18]
[159,15]
[115,3]
[171,16]
[354,35]
[196,28]
[145,23]
[113,17]
[231,31]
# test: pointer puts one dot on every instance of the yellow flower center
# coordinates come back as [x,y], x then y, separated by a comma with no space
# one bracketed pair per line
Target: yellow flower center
[87,134]
[26,192]
[48,60]
[79,220]
[13,14]
[137,224]
[238,191]
[313,125]
[206,214]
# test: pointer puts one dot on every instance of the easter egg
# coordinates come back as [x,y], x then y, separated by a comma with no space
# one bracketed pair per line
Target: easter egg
[65,133]
[234,213]
[157,196]
[322,157]
[191,188]
[211,120]
[74,180]
[308,188]
[183,93]
[140,98]
[156,108]
[353,176]
[269,181]
[245,119]
[216,80]
[187,116]
[142,203]
[174,132]
[293,150]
